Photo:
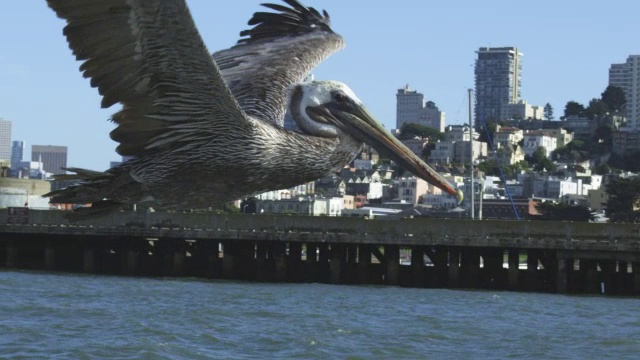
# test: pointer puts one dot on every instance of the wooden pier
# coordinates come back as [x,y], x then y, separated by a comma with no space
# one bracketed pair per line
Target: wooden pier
[431,253]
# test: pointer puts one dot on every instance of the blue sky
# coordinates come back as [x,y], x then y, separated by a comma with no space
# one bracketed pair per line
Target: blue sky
[568,47]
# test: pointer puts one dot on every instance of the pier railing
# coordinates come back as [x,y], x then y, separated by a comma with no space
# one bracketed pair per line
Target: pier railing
[407,231]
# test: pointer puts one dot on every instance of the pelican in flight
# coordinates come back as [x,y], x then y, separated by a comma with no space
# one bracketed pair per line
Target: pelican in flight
[203,129]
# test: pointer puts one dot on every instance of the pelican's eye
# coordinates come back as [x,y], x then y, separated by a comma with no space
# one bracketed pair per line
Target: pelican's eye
[340,97]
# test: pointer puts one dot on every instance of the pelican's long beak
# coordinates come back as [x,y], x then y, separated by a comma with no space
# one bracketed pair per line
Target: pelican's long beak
[360,124]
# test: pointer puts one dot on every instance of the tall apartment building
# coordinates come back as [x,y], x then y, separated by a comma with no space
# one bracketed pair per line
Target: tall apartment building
[53,158]
[17,153]
[411,107]
[627,77]
[5,139]
[498,73]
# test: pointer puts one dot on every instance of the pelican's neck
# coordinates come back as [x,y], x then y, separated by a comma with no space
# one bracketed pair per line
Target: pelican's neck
[308,156]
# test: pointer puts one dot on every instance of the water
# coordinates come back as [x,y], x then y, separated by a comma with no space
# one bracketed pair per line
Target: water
[93,317]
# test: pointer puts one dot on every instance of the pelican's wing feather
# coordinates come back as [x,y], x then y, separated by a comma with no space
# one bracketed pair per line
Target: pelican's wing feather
[281,49]
[148,56]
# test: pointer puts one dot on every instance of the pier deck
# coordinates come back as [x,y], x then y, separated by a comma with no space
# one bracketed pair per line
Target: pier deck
[558,257]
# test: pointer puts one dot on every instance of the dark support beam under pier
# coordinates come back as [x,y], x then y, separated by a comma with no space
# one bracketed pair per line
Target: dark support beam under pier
[89,258]
[294,263]
[312,262]
[454,268]
[562,269]
[635,269]
[392,264]
[336,263]
[364,264]
[12,254]
[417,266]
[470,267]
[280,258]
[514,268]
[49,256]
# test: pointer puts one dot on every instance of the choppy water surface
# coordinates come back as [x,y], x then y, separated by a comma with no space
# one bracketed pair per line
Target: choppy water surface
[89,317]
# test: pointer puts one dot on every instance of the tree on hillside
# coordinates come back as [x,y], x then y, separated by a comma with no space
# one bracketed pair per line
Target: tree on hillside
[487,133]
[563,212]
[597,108]
[548,112]
[628,162]
[624,196]
[576,150]
[539,161]
[614,97]
[410,130]
[491,168]
[602,140]
[426,152]
[573,108]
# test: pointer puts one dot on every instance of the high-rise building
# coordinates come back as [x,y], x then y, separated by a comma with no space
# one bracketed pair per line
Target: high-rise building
[498,74]
[5,139]
[627,77]
[53,158]
[411,107]
[17,153]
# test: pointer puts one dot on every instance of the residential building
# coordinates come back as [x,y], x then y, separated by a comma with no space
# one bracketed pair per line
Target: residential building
[462,151]
[331,186]
[443,153]
[627,77]
[506,209]
[439,201]
[510,154]
[498,79]
[626,140]
[550,187]
[296,191]
[563,137]
[411,107]
[361,164]
[539,138]
[416,145]
[53,157]
[5,139]
[309,206]
[456,146]
[506,135]
[522,110]
[459,133]
[367,185]
[514,188]
[412,189]
[349,202]
[598,199]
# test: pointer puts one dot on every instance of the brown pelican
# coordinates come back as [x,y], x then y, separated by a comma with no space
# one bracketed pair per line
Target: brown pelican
[205,129]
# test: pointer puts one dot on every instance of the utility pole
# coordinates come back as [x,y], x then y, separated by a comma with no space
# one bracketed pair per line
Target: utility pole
[472,191]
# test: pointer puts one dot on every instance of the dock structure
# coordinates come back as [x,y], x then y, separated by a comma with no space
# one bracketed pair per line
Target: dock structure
[560,257]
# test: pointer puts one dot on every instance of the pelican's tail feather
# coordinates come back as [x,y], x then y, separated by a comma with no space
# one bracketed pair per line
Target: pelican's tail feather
[91,187]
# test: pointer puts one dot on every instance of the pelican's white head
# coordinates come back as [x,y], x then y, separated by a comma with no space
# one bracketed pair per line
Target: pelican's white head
[330,109]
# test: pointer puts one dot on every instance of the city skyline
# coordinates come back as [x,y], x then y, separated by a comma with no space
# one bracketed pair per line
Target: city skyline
[431,46]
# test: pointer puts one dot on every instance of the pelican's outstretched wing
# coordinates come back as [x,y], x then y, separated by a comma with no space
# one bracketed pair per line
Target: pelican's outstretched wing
[148,56]
[281,49]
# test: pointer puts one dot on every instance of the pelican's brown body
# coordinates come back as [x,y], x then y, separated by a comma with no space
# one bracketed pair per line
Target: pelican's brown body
[205,129]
